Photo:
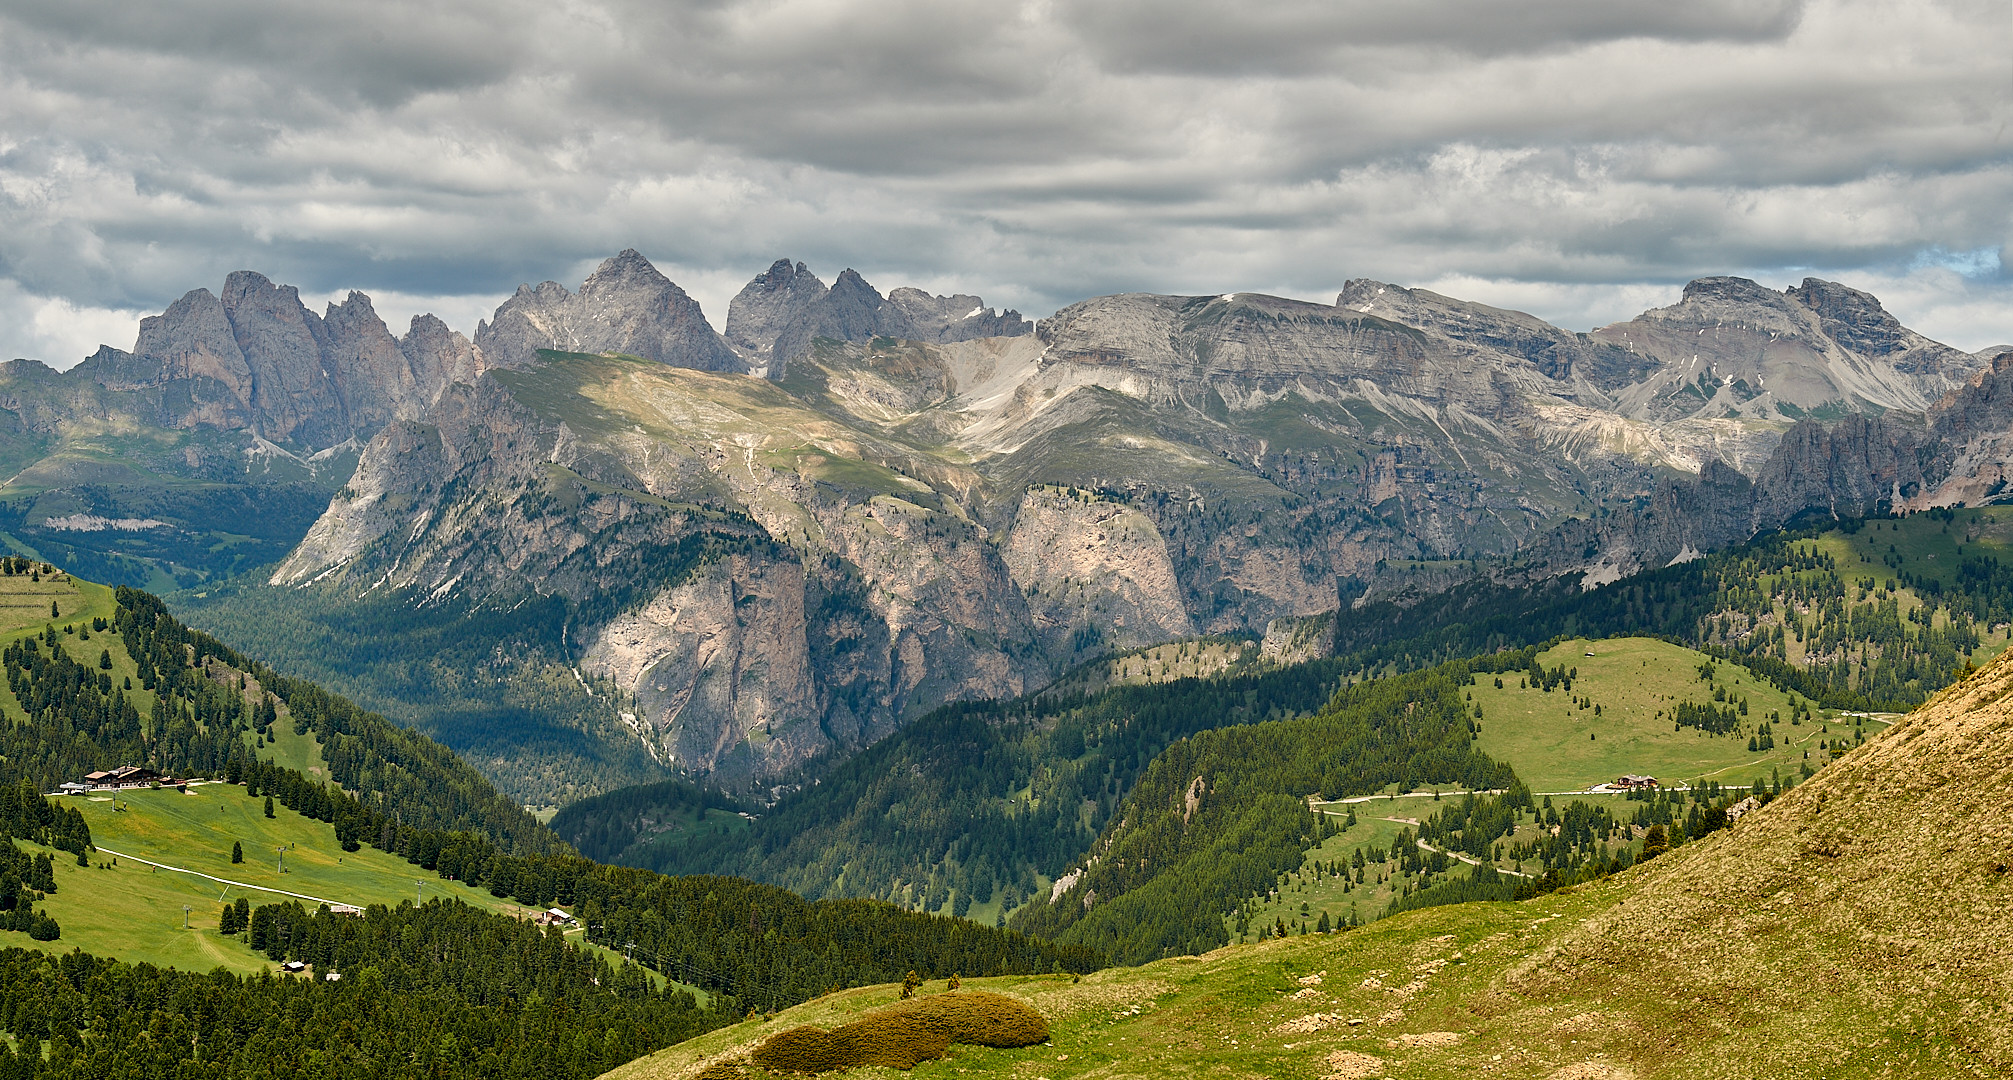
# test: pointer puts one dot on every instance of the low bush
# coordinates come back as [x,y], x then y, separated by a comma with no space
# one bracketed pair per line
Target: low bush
[905,1035]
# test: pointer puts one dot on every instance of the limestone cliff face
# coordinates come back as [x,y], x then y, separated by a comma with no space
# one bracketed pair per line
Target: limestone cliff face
[720,668]
[1858,467]
[1861,465]
[1973,426]
[918,502]
[1096,565]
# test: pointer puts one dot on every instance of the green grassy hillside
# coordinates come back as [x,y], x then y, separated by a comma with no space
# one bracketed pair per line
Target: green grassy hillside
[1856,927]
[1557,744]
[1557,741]
[133,911]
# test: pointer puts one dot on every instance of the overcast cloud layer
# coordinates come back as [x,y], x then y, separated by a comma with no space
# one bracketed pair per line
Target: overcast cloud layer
[1580,160]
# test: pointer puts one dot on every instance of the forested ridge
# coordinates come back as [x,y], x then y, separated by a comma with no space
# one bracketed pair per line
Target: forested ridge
[1220,815]
[751,945]
[966,804]
[1779,605]
[406,776]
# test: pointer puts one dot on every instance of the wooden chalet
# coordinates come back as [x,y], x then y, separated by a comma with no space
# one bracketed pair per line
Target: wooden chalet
[123,778]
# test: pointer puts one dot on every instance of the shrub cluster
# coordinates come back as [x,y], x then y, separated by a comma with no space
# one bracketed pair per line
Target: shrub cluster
[905,1035]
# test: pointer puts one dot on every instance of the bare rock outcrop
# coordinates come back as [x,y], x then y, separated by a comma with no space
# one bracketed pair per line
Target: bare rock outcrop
[719,666]
[257,360]
[1973,426]
[1096,565]
[625,306]
[776,317]
[1480,332]
[1733,346]
[766,306]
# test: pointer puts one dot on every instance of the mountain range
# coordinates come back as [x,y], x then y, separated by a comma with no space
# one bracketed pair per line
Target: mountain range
[725,554]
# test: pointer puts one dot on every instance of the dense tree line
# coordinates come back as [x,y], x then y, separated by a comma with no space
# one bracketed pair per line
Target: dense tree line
[1220,815]
[441,991]
[408,776]
[966,804]
[749,943]
[26,815]
[1862,648]
[606,827]
[24,878]
[1590,841]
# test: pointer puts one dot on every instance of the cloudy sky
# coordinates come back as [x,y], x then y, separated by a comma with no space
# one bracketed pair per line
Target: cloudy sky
[1576,159]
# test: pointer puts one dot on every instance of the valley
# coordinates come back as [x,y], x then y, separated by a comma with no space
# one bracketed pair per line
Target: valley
[1221,784]
[1241,681]
[855,507]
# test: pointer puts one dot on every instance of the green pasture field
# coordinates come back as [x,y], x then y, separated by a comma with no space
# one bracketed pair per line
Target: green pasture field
[24,610]
[1924,544]
[1556,745]
[134,911]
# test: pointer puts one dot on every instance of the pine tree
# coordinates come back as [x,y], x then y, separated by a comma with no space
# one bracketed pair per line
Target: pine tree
[269,806]
[237,852]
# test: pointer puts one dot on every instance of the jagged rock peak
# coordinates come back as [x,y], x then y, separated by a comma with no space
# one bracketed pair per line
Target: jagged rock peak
[764,307]
[626,306]
[1853,318]
[255,359]
[356,314]
[627,269]
[958,317]
[775,317]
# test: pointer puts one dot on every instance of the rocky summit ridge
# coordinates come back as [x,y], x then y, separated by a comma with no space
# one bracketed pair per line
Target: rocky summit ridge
[893,501]
[785,539]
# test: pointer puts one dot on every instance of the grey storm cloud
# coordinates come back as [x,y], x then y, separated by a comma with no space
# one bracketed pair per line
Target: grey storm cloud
[1578,159]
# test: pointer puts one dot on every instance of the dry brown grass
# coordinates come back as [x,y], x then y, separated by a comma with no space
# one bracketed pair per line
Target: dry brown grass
[1881,886]
[905,1035]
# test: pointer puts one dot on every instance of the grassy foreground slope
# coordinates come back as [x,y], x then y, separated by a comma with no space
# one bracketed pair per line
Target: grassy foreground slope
[1861,925]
